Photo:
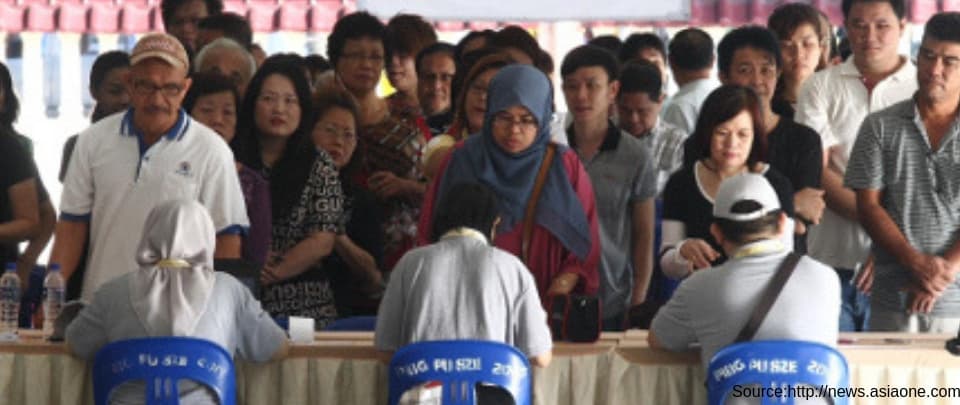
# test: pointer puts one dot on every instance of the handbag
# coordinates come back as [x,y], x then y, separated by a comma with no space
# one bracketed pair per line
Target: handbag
[572,317]
[769,296]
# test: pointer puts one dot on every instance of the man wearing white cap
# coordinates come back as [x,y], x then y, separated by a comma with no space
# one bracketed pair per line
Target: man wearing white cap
[129,162]
[713,305]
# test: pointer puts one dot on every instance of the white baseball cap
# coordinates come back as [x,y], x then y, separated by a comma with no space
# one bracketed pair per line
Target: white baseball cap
[745,187]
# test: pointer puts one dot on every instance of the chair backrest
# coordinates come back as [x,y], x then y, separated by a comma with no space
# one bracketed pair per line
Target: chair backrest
[161,362]
[353,323]
[816,369]
[459,365]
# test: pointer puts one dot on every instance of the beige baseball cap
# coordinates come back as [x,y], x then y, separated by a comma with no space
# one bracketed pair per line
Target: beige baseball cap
[163,46]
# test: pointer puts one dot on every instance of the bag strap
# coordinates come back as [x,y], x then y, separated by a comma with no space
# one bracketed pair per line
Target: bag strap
[531,210]
[769,296]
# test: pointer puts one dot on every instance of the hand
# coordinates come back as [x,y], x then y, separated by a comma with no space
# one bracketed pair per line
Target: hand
[921,302]
[809,204]
[386,185]
[698,252]
[563,284]
[864,278]
[933,273]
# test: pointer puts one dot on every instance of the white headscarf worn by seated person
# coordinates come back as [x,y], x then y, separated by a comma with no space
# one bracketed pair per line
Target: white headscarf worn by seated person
[170,290]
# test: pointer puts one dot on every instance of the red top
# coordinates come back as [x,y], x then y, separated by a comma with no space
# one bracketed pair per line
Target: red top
[548,257]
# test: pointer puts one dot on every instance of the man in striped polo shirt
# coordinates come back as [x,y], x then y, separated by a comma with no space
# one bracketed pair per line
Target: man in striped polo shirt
[905,169]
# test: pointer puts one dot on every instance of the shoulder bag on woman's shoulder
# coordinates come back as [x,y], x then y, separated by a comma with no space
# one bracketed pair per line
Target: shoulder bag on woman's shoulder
[572,317]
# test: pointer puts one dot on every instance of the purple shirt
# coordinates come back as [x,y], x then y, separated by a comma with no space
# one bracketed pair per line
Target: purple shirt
[256,195]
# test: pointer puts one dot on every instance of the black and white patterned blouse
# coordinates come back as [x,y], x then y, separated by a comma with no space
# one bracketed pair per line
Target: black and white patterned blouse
[320,209]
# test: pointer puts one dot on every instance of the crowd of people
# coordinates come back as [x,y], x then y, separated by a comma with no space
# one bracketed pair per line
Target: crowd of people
[459,204]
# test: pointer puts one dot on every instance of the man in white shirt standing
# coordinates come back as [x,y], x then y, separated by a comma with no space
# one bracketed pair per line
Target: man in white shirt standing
[129,162]
[691,61]
[834,103]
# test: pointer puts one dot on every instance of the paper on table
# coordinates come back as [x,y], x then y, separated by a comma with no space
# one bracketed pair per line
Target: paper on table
[301,329]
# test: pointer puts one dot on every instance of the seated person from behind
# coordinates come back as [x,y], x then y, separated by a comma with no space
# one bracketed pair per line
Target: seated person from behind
[176,292]
[462,287]
[713,305]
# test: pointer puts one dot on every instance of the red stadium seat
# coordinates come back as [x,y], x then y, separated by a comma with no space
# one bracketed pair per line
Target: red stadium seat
[760,10]
[40,16]
[11,17]
[135,18]
[104,17]
[450,26]
[235,6]
[71,17]
[294,16]
[262,15]
[324,14]
[922,10]
[483,25]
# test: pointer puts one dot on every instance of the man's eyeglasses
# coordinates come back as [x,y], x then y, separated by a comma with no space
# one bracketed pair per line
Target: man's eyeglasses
[168,90]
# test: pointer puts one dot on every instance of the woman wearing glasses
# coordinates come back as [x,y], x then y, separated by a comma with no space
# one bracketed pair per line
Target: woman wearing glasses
[305,195]
[391,168]
[564,247]
[357,281]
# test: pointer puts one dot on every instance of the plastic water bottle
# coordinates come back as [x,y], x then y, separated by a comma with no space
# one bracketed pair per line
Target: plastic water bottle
[9,302]
[53,288]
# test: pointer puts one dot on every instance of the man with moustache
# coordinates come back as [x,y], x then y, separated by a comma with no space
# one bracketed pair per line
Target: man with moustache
[905,169]
[129,162]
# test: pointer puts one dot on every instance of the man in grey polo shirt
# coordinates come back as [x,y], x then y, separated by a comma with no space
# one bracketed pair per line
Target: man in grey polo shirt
[713,305]
[624,181]
[905,168]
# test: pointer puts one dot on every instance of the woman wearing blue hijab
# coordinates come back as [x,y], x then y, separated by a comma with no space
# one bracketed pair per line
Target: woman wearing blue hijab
[564,247]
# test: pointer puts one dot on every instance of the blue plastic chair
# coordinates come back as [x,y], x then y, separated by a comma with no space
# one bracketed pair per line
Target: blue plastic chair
[777,363]
[459,365]
[160,363]
[353,323]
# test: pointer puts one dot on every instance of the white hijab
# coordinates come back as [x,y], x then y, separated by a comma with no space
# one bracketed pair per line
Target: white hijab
[170,291]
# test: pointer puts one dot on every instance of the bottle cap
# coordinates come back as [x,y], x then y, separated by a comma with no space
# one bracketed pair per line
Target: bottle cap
[11,267]
[53,267]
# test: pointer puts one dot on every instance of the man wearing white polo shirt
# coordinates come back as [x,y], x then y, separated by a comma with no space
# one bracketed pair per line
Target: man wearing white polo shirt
[127,163]
[834,102]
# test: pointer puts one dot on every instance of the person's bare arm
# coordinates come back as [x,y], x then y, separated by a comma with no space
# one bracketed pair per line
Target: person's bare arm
[360,262]
[808,204]
[299,258]
[642,249]
[840,199]
[542,360]
[652,340]
[25,217]
[282,351]
[228,246]
[69,239]
[28,259]
[932,273]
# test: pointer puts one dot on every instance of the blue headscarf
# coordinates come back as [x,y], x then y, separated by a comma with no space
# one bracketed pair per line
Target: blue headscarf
[512,175]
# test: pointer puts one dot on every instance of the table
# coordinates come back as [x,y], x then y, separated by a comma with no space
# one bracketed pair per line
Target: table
[342,368]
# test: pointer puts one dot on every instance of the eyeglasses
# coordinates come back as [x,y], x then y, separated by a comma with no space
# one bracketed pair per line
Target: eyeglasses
[332,131]
[168,90]
[357,57]
[506,120]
